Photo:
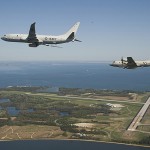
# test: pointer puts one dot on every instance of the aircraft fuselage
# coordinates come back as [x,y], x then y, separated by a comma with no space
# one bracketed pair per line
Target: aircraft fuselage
[125,64]
[35,40]
[43,39]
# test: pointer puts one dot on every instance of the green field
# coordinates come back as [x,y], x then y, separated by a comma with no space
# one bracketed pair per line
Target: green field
[72,115]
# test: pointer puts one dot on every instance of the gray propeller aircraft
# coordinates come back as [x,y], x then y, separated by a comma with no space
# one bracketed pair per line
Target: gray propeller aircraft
[35,40]
[130,63]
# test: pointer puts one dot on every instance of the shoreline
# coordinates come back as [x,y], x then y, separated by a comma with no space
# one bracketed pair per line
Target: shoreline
[80,140]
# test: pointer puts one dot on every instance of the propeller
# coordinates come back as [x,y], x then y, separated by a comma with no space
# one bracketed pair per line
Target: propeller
[122,60]
[124,63]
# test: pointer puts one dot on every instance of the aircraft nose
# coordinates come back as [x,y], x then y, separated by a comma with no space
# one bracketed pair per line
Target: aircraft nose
[113,64]
[110,64]
[2,38]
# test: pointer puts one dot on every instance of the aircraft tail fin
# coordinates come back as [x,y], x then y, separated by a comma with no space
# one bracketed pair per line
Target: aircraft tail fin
[70,35]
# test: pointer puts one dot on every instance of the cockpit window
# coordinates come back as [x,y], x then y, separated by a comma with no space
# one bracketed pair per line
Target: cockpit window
[4,35]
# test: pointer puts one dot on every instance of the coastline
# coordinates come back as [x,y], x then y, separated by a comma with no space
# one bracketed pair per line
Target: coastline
[80,140]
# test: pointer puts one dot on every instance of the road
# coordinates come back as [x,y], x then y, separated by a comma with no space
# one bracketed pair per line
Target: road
[139,116]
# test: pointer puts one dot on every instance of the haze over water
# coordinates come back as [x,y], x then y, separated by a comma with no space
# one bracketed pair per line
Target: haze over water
[73,75]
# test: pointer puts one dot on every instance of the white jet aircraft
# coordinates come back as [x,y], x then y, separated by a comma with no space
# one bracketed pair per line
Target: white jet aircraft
[130,63]
[36,40]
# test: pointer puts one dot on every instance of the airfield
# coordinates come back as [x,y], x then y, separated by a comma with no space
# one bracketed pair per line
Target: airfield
[111,116]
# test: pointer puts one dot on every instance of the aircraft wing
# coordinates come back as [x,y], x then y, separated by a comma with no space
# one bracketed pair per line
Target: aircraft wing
[131,63]
[32,34]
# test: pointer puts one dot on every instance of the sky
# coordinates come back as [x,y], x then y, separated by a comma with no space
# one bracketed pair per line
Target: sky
[109,29]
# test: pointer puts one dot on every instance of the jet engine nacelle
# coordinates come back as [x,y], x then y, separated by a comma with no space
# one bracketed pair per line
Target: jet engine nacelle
[33,45]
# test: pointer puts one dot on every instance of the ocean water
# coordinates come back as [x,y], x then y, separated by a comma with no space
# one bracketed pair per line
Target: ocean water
[73,75]
[65,145]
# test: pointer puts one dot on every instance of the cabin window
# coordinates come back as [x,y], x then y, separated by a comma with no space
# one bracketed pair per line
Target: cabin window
[45,38]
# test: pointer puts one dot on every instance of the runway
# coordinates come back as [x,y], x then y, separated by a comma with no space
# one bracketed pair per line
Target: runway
[139,116]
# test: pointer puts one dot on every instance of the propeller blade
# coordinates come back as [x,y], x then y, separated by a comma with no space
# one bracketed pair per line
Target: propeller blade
[122,60]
